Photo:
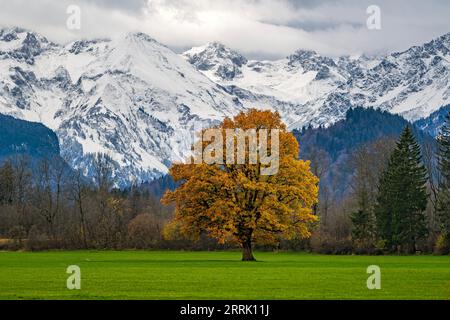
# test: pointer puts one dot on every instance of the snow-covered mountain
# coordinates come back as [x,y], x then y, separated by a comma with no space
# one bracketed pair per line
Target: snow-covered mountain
[432,125]
[132,98]
[309,88]
[137,100]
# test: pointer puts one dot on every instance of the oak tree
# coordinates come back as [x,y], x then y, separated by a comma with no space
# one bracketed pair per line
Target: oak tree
[234,200]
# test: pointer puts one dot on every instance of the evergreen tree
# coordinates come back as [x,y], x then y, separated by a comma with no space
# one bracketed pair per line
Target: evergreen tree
[444,153]
[402,197]
[362,231]
[443,209]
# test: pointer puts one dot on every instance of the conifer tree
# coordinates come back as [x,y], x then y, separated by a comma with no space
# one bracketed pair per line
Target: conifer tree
[362,230]
[443,209]
[402,197]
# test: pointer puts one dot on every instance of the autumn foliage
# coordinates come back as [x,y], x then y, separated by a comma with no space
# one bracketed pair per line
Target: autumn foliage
[235,202]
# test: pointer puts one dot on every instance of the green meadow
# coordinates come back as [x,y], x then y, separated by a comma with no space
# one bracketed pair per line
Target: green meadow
[219,275]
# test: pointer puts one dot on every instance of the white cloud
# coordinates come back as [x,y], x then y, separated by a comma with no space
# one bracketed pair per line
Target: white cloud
[268,28]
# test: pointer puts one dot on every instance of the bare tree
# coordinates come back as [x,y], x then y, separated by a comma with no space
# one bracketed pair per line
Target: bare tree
[320,164]
[79,193]
[49,192]
[23,183]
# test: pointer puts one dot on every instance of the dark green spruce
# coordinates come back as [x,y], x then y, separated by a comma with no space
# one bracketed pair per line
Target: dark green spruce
[362,231]
[402,197]
[443,209]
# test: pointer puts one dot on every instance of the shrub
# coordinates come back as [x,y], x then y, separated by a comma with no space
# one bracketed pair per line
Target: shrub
[324,244]
[442,245]
[143,232]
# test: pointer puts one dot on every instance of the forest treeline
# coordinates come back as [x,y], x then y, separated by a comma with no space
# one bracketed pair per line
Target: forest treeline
[390,194]
[45,205]
[381,190]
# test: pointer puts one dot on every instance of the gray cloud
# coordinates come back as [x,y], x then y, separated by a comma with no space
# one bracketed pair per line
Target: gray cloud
[129,5]
[258,28]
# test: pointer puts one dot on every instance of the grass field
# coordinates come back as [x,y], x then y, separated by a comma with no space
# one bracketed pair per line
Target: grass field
[219,275]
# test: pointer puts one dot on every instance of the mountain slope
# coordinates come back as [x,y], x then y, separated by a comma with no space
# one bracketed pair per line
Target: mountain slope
[132,98]
[319,90]
[27,138]
[433,123]
[138,101]
[332,147]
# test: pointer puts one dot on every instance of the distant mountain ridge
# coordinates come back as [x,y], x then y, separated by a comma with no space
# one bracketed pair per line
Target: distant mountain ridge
[132,98]
[337,143]
[18,137]
[309,88]
[138,101]
[433,123]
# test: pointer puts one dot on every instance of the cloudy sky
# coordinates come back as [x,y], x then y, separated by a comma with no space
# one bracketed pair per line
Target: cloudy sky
[257,28]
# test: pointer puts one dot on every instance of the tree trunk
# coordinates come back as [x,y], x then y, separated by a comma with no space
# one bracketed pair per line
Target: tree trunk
[247,254]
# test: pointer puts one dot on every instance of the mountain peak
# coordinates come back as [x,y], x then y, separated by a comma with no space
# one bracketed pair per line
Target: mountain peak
[213,49]
[443,38]
[304,53]
[311,61]
[217,45]
[22,44]
[139,36]
[217,59]
[13,33]
[134,42]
